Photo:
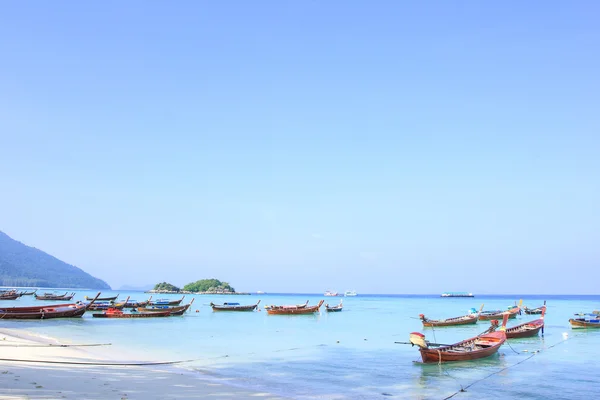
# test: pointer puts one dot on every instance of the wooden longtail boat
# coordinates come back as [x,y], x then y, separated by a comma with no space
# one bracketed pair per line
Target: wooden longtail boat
[498,314]
[593,321]
[103,298]
[114,313]
[45,312]
[527,329]
[297,306]
[132,303]
[166,302]
[234,307]
[537,310]
[337,308]
[27,293]
[462,320]
[294,310]
[9,296]
[51,296]
[175,310]
[483,345]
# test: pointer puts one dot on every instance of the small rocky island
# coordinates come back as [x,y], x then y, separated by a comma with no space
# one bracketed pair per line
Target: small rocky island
[203,286]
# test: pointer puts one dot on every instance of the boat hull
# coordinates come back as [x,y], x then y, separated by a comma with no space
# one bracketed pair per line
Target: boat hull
[488,317]
[448,354]
[449,322]
[133,315]
[46,313]
[527,329]
[576,323]
[294,310]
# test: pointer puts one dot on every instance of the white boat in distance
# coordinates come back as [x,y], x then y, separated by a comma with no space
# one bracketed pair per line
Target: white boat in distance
[329,293]
[350,293]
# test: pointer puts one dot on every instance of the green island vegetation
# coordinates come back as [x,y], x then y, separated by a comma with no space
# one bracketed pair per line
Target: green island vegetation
[25,266]
[208,285]
[201,286]
[166,287]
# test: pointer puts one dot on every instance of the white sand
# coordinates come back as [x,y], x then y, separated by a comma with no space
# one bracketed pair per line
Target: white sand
[19,380]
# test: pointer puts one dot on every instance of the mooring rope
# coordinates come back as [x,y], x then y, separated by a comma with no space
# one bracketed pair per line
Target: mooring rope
[464,389]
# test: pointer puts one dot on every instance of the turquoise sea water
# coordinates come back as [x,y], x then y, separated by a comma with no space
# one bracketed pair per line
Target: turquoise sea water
[352,354]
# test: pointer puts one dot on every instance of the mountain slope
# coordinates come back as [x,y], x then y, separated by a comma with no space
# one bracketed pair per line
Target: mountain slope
[21,265]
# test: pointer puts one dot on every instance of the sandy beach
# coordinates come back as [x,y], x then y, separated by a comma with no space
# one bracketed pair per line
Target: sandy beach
[37,380]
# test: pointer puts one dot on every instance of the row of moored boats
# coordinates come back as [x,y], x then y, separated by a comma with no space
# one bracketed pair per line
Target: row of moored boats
[488,342]
[110,307]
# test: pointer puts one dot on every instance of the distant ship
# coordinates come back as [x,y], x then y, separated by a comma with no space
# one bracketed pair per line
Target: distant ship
[330,293]
[260,292]
[350,293]
[457,294]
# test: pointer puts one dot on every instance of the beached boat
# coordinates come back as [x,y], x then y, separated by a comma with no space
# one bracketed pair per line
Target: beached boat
[294,310]
[456,294]
[233,307]
[468,319]
[103,298]
[115,313]
[537,310]
[480,346]
[512,311]
[337,308]
[527,329]
[166,302]
[297,306]
[54,297]
[329,293]
[175,310]
[350,293]
[45,312]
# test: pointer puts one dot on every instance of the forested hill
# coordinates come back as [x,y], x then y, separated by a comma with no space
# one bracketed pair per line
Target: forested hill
[21,265]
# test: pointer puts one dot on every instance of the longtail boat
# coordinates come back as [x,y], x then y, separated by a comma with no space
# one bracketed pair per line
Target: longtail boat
[297,306]
[498,314]
[175,310]
[337,308]
[115,313]
[587,321]
[527,329]
[483,345]
[294,310]
[9,296]
[52,296]
[468,319]
[234,307]
[46,312]
[103,298]
[132,303]
[27,293]
[537,310]
[102,306]
[166,302]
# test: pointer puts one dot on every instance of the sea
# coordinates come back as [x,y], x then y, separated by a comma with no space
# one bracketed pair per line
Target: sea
[351,354]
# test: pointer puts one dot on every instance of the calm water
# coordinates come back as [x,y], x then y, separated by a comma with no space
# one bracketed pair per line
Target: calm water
[352,354]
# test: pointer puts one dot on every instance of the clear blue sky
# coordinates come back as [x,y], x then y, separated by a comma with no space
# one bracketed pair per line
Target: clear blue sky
[387,147]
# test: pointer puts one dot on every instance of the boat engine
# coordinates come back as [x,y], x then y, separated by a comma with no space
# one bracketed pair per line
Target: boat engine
[418,339]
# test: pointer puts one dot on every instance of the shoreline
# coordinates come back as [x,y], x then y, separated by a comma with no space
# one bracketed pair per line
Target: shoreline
[60,379]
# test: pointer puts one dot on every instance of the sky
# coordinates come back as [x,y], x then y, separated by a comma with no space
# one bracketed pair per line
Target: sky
[386,147]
